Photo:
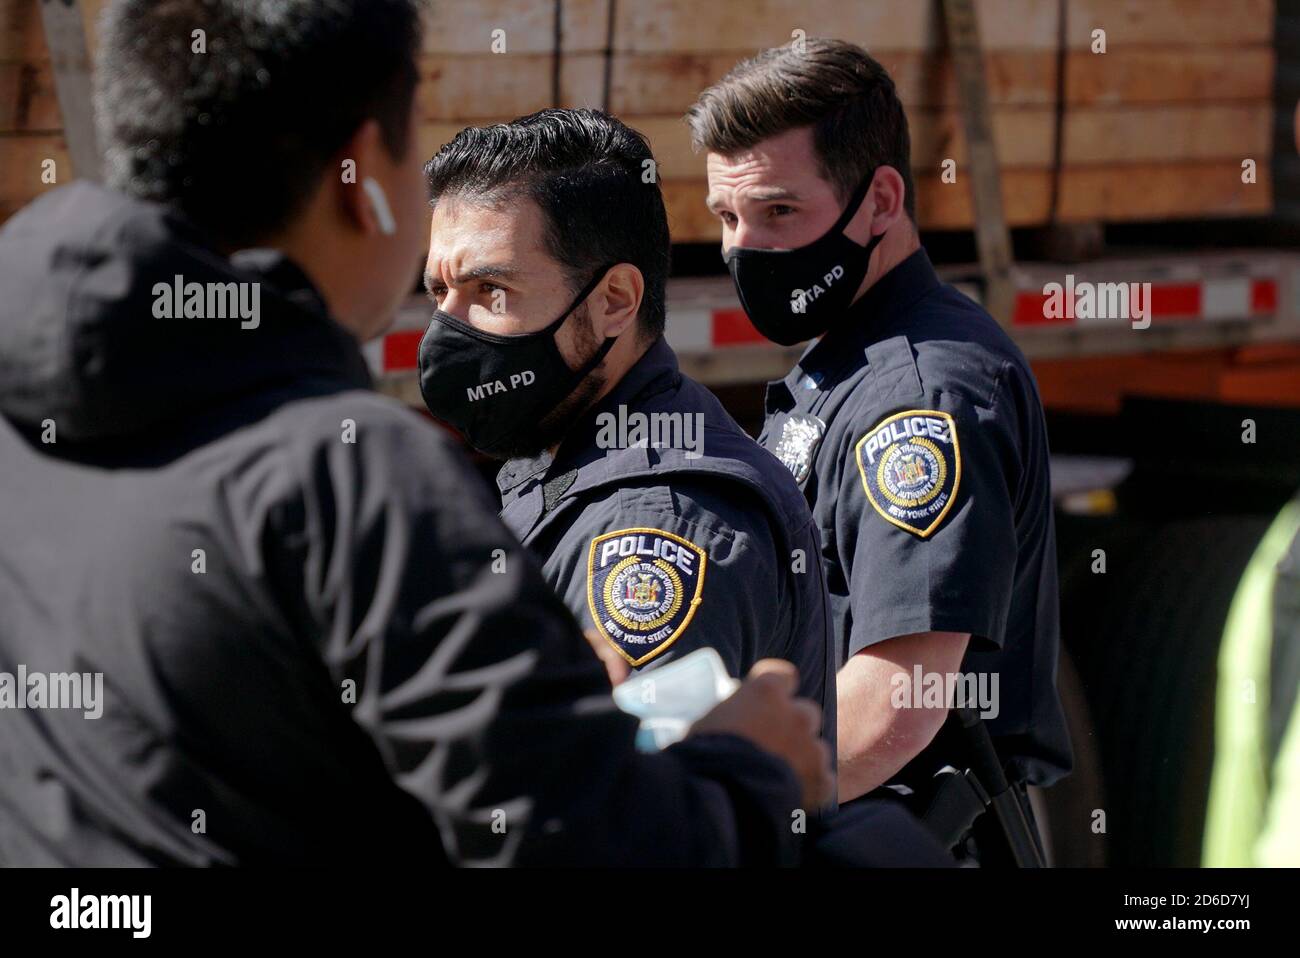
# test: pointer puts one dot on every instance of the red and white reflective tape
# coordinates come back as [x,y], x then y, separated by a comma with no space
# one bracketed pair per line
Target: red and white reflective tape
[399,351]
[1231,297]
[699,329]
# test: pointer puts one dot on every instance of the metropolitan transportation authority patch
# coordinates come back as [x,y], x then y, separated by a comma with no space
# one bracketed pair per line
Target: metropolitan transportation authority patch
[643,587]
[911,466]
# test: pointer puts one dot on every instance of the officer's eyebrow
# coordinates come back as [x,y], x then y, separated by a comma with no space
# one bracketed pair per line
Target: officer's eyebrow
[765,195]
[486,271]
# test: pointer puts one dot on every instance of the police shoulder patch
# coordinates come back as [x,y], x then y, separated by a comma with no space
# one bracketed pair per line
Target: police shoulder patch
[911,466]
[643,587]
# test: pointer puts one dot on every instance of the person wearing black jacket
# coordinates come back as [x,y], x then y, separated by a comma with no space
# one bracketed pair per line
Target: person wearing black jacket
[298,632]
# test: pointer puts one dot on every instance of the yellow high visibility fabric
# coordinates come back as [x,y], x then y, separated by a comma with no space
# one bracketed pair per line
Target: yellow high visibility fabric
[1248,823]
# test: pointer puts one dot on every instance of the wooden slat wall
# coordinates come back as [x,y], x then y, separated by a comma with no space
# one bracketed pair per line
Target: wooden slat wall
[29,110]
[1155,128]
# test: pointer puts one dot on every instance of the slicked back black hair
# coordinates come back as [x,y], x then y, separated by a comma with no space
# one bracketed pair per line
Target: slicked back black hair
[594,180]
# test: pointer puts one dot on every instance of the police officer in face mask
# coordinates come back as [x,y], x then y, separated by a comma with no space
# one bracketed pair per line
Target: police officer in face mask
[663,526]
[913,425]
[302,635]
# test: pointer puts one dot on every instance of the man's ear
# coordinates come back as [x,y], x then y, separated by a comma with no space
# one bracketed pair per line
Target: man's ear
[888,193]
[360,160]
[881,208]
[621,291]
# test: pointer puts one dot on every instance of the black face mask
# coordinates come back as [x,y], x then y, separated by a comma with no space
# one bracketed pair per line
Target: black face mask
[497,389]
[795,294]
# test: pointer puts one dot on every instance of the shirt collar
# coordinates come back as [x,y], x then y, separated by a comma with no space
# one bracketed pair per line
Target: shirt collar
[656,371]
[840,349]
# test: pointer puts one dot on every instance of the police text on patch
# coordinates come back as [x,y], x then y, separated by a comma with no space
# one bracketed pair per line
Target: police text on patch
[900,429]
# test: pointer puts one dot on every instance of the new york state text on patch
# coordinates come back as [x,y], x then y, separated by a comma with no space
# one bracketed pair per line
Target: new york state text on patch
[911,466]
[643,587]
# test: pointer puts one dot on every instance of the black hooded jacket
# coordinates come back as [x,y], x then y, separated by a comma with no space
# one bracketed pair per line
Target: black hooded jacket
[316,642]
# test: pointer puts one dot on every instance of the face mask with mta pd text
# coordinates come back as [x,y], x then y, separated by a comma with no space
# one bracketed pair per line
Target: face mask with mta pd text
[494,389]
[795,294]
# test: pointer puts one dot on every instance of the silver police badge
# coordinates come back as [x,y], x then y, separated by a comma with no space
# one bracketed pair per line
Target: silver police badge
[800,436]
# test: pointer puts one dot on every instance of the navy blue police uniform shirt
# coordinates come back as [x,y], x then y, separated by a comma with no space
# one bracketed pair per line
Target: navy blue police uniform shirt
[701,540]
[915,429]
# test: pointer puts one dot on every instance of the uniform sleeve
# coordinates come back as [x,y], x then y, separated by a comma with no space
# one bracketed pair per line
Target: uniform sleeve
[660,572]
[927,521]
[480,694]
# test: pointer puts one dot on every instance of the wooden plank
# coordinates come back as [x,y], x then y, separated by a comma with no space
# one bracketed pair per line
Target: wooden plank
[21,37]
[1024,137]
[27,99]
[457,87]
[1130,23]
[478,84]
[941,205]
[21,156]
[466,26]
[1013,77]
[468,87]
[984,175]
[664,83]
[667,83]
[460,86]
[938,205]
[690,26]
[1171,134]
[686,27]
[1129,193]
[1122,77]
[1163,190]
[1161,75]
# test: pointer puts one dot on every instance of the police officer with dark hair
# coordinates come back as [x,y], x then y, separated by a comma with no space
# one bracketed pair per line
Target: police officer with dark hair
[314,640]
[913,425]
[662,525]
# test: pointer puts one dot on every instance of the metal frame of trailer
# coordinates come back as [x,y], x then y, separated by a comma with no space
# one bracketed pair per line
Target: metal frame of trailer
[1198,300]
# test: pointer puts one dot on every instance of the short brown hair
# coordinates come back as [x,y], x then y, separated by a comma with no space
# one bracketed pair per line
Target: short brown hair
[837,88]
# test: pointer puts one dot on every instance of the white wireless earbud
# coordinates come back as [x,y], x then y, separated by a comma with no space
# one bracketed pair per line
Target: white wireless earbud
[379,203]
